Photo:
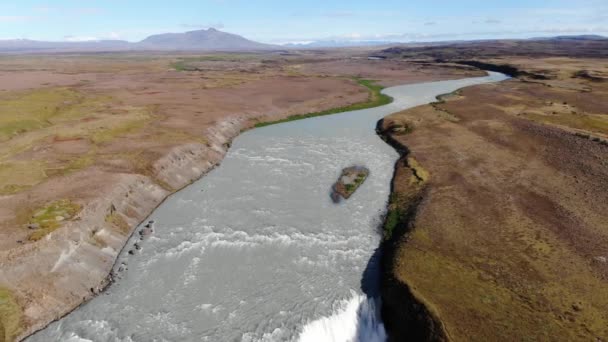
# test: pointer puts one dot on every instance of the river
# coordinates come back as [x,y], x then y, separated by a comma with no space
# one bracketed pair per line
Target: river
[256,250]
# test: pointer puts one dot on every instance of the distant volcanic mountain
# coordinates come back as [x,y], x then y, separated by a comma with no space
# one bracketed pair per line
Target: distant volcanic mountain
[200,40]
[210,39]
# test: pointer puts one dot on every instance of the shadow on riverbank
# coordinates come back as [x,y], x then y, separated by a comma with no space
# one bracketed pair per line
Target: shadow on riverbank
[369,320]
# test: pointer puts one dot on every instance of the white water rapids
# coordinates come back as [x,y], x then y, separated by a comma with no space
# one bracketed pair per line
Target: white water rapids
[256,250]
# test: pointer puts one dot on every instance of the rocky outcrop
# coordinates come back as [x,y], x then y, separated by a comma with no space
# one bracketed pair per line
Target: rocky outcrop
[350,180]
[505,69]
[186,163]
[590,75]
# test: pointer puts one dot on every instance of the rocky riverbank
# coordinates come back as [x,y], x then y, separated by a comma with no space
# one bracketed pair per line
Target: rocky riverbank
[495,227]
[78,258]
[405,315]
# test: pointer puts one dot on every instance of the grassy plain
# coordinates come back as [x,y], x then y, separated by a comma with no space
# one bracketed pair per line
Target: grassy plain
[10,316]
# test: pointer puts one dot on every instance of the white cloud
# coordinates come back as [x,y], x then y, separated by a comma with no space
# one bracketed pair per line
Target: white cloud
[43,9]
[338,14]
[492,21]
[104,36]
[15,18]
[49,10]
[80,39]
[87,10]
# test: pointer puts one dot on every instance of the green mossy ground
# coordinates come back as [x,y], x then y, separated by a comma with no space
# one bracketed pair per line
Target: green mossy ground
[46,116]
[10,316]
[51,217]
[376,99]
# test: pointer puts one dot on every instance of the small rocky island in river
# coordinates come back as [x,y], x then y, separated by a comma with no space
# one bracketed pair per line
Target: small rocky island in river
[350,180]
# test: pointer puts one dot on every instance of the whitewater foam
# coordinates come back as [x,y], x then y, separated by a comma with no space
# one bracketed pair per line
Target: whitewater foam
[355,320]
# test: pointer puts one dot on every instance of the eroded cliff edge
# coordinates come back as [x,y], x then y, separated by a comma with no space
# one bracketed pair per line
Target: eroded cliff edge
[78,258]
[406,316]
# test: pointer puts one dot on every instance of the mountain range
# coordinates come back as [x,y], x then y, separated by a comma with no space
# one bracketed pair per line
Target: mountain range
[204,40]
[199,40]
[362,43]
[337,43]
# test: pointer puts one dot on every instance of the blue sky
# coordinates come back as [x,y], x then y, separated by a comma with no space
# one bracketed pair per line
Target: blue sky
[276,21]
